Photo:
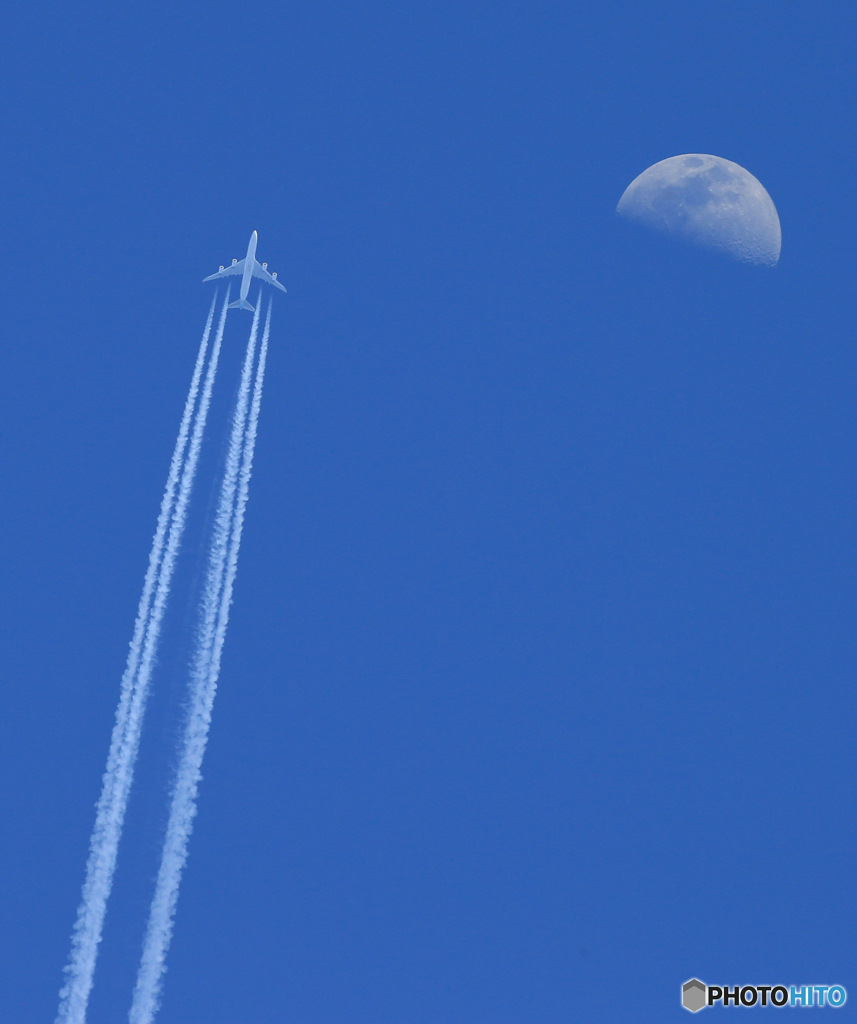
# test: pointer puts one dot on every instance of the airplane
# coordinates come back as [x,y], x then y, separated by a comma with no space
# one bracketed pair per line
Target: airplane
[248,267]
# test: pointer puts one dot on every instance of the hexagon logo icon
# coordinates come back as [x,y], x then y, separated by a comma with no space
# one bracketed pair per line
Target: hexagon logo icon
[693,995]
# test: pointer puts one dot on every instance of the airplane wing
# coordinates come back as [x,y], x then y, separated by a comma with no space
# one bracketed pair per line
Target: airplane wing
[236,268]
[259,271]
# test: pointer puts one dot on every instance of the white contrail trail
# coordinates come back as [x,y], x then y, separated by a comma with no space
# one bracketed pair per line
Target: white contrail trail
[125,741]
[205,668]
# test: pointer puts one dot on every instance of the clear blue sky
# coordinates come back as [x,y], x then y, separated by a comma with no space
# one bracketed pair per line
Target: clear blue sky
[538,696]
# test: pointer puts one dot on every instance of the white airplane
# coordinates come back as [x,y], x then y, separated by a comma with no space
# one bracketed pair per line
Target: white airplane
[247,268]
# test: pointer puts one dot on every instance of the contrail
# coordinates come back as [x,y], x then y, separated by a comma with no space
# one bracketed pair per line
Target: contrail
[134,689]
[205,668]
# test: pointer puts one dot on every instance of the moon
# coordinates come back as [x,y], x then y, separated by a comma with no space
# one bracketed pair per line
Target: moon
[711,202]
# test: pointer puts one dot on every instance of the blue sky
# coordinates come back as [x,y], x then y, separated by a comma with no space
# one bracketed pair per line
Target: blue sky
[537,698]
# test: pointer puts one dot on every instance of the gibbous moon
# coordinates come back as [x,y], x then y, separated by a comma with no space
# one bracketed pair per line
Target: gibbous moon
[709,201]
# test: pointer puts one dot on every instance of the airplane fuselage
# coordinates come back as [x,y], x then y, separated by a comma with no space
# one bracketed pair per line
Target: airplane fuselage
[248,265]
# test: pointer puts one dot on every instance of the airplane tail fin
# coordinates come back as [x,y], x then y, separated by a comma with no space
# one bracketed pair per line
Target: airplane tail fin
[241,304]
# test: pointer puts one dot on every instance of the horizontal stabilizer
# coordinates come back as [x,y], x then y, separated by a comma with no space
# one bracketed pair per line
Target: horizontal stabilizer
[241,304]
